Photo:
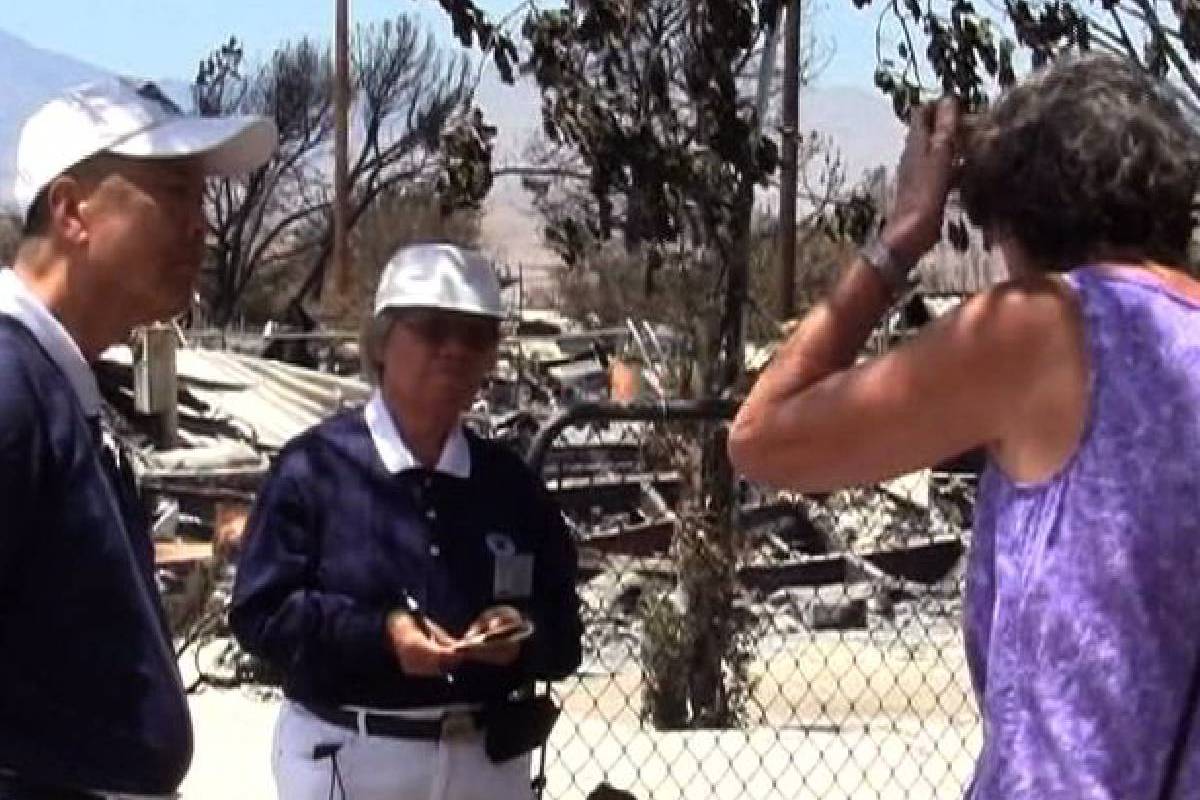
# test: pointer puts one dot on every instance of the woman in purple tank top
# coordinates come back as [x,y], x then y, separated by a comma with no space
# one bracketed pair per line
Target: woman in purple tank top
[1081,378]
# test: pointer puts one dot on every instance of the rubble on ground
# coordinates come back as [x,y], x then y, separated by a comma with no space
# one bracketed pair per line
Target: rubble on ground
[846,560]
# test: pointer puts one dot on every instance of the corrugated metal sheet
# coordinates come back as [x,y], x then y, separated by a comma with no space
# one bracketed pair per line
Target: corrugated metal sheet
[270,400]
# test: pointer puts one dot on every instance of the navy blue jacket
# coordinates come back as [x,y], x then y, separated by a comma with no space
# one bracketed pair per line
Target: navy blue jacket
[89,690]
[335,541]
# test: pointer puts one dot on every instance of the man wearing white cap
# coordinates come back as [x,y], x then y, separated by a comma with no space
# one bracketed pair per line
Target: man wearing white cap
[405,575]
[109,181]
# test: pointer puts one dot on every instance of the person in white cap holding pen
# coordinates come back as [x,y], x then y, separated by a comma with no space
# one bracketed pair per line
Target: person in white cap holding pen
[109,184]
[407,576]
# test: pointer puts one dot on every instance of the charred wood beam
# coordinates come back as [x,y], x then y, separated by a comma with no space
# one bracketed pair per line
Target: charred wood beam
[614,494]
[925,563]
[667,411]
[645,539]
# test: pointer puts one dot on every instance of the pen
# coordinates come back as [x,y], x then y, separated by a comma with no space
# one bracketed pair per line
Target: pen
[414,611]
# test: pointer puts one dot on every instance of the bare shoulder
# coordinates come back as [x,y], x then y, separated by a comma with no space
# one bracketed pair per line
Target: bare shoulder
[1020,312]
[1029,333]
[1000,341]
[1013,338]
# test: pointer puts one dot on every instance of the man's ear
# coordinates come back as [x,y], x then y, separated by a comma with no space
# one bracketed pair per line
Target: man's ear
[65,198]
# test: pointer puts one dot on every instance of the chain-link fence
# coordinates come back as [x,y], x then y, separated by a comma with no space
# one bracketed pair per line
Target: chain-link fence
[809,648]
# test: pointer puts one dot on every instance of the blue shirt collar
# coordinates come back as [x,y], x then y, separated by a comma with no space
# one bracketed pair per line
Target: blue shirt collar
[456,455]
[19,302]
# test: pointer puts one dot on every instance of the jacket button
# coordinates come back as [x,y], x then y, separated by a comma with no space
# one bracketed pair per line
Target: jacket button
[434,550]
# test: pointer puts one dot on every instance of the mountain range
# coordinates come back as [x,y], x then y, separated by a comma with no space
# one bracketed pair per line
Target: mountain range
[859,123]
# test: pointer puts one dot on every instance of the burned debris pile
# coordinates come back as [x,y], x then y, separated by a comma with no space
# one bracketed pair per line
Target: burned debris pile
[203,424]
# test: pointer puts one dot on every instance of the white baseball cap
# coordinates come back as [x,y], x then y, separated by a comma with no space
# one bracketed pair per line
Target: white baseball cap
[131,118]
[439,276]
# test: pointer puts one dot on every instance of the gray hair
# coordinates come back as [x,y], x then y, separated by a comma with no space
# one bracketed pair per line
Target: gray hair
[372,340]
[1090,152]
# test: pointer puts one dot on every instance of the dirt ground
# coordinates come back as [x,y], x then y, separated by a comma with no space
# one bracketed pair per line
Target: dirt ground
[839,718]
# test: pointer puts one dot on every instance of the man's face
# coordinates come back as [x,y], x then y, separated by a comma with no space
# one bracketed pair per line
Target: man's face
[145,226]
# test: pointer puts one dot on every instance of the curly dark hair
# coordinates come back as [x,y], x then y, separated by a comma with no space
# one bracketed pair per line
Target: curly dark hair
[1086,154]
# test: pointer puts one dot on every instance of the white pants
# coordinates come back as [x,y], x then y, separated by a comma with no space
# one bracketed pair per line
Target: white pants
[383,768]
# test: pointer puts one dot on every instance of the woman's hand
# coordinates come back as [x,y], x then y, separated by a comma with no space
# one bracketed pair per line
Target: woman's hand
[495,619]
[421,646]
[923,179]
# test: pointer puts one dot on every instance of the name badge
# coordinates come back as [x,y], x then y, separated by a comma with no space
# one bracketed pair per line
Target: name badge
[512,577]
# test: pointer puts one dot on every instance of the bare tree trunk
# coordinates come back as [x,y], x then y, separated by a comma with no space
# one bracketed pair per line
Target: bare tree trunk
[789,172]
[341,142]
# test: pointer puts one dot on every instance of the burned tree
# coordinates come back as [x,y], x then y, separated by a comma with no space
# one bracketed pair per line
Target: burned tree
[407,96]
[973,51]
[647,98]
[956,47]
[647,94]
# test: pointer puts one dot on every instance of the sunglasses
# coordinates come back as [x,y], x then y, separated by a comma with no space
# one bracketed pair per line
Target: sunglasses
[437,327]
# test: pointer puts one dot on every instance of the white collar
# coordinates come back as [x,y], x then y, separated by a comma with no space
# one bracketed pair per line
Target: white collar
[17,301]
[456,455]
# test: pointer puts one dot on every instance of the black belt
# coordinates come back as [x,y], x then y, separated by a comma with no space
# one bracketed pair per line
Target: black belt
[13,787]
[452,723]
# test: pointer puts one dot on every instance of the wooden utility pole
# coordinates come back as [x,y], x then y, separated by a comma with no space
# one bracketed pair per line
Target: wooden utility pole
[789,171]
[341,143]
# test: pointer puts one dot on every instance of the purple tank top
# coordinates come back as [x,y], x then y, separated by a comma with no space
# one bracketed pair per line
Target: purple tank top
[1082,617]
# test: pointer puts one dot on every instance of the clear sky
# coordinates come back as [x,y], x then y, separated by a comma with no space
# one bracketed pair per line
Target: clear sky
[157,39]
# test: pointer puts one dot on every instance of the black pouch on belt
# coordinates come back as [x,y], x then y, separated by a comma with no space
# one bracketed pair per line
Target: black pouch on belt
[515,727]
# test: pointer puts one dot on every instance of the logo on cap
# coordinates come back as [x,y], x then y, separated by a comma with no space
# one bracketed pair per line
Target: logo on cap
[151,92]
